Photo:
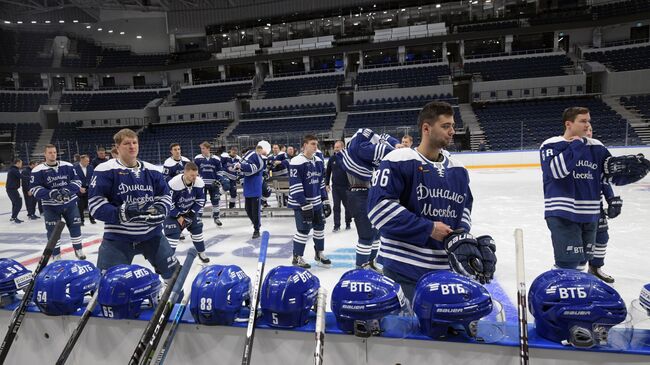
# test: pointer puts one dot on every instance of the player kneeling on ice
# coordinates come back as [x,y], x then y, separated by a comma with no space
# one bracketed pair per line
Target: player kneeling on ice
[288,296]
[61,286]
[309,201]
[367,303]
[13,277]
[420,202]
[188,198]
[125,290]
[220,293]
[132,198]
[573,307]
[447,303]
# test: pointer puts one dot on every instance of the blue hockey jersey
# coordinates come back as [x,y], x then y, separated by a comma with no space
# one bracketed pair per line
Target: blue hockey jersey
[306,183]
[252,167]
[45,178]
[113,184]
[364,152]
[227,163]
[572,172]
[186,198]
[408,194]
[172,167]
[209,168]
[279,169]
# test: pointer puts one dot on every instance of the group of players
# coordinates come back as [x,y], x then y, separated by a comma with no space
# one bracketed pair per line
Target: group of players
[414,203]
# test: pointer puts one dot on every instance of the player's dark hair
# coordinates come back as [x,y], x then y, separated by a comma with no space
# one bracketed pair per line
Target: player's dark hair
[191,166]
[432,111]
[571,113]
[48,146]
[308,138]
[174,145]
[17,161]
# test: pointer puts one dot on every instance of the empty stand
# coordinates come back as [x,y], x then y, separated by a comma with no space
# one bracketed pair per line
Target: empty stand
[400,103]
[21,102]
[281,125]
[627,59]
[211,94]
[403,77]
[282,88]
[519,68]
[290,110]
[541,119]
[111,101]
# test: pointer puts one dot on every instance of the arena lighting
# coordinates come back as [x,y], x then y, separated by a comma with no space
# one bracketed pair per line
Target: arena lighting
[61,21]
[75,21]
[403,10]
[224,35]
[99,29]
[33,21]
[139,36]
[88,27]
[266,28]
[243,32]
[19,22]
[438,6]
[121,33]
[47,22]
[7,22]
[269,24]
[110,31]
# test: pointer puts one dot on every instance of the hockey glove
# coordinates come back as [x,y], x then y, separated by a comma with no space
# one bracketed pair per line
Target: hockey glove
[635,167]
[464,254]
[66,194]
[614,206]
[488,248]
[307,214]
[55,194]
[131,213]
[156,214]
[188,218]
[327,209]
[216,184]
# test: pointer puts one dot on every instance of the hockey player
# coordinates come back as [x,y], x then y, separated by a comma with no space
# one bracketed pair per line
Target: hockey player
[132,198]
[420,202]
[573,169]
[614,205]
[309,201]
[56,184]
[228,161]
[277,168]
[188,198]
[252,166]
[175,163]
[407,141]
[100,158]
[211,173]
[362,155]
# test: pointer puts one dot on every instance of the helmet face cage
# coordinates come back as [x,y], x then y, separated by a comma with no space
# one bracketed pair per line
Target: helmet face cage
[61,286]
[219,293]
[125,288]
[445,300]
[288,296]
[363,300]
[573,307]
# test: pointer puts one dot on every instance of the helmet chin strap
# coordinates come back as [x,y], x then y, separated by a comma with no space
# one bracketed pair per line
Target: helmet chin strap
[367,328]
[581,337]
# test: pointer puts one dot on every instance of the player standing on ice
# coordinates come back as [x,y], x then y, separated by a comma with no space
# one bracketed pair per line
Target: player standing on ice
[174,164]
[309,201]
[56,184]
[420,202]
[211,173]
[574,168]
[132,198]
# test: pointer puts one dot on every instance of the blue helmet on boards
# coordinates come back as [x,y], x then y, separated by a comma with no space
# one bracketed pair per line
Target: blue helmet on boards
[13,277]
[124,288]
[59,288]
[644,298]
[575,307]
[219,292]
[362,298]
[446,299]
[288,295]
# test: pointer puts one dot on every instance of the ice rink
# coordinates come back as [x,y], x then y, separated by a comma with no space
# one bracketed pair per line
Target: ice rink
[504,199]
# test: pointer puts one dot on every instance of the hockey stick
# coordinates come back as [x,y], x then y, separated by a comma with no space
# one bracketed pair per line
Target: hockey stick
[158,331]
[521,298]
[252,317]
[69,346]
[320,326]
[139,351]
[162,354]
[19,314]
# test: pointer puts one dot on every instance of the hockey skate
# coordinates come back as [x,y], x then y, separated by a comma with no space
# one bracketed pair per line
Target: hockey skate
[322,260]
[600,274]
[203,257]
[300,262]
[80,254]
